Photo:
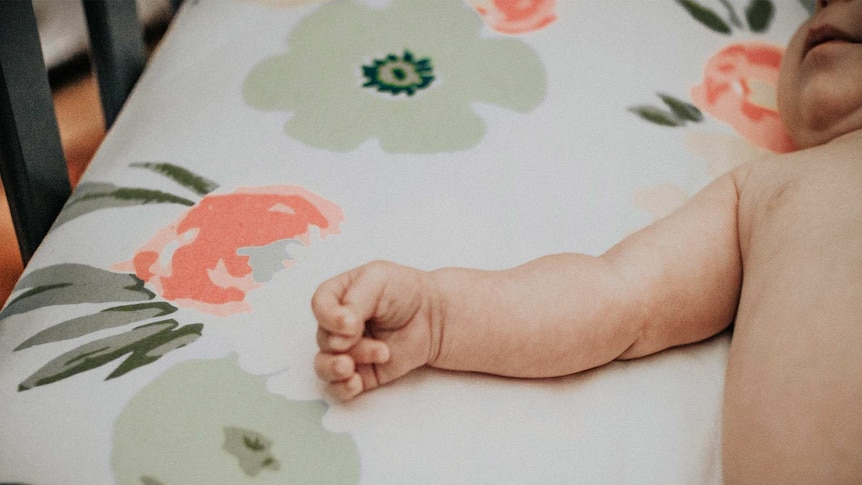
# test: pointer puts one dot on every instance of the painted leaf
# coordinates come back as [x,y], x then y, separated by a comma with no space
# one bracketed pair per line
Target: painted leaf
[135,195]
[108,318]
[682,110]
[92,196]
[160,344]
[180,175]
[65,284]
[731,12]
[705,16]
[656,115]
[809,5]
[146,344]
[759,15]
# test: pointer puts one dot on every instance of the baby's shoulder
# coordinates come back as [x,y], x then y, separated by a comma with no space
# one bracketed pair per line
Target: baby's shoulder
[818,182]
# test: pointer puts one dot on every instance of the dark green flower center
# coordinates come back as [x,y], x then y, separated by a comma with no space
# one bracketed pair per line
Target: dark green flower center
[399,74]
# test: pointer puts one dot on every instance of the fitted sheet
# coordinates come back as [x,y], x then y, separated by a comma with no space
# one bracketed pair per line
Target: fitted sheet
[162,333]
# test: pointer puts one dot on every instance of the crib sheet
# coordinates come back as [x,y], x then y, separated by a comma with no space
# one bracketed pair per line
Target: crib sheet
[162,334]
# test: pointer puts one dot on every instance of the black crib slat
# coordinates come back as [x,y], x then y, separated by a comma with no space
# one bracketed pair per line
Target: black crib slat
[117,50]
[32,163]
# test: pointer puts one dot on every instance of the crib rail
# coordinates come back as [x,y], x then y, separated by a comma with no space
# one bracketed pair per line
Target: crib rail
[117,50]
[32,164]
[31,157]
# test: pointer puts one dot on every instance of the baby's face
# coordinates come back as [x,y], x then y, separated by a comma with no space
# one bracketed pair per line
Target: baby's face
[820,89]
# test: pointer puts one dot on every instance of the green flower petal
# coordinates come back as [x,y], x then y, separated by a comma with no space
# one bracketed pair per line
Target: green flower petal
[444,128]
[332,78]
[508,87]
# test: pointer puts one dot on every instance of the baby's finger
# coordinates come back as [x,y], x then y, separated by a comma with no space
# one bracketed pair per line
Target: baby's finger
[334,368]
[346,390]
[334,343]
[333,316]
[365,289]
[369,351]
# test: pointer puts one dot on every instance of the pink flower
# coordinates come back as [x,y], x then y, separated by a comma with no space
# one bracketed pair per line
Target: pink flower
[515,16]
[739,88]
[194,261]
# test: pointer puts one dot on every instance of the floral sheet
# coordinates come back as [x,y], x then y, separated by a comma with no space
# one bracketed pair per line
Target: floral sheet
[162,334]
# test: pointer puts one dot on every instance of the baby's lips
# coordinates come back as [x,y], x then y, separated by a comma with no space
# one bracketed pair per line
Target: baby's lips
[826,33]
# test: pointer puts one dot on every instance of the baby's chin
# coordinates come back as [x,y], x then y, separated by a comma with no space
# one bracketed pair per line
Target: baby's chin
[808,137]
[821,123]
[820,105]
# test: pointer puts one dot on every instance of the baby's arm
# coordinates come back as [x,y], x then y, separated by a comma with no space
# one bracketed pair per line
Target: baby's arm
[674,282]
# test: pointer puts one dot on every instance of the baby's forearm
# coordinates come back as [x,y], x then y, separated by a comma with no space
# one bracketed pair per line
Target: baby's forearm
[553,316]
[671,283]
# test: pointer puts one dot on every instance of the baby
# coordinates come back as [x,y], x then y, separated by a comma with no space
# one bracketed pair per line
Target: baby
[774,246]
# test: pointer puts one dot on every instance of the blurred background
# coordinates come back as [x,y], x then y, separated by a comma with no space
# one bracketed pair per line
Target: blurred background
[63,34]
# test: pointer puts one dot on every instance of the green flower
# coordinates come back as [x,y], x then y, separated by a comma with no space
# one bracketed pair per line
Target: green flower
[405,75]
[207,421]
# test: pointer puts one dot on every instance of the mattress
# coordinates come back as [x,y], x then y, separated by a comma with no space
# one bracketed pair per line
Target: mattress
[162,333]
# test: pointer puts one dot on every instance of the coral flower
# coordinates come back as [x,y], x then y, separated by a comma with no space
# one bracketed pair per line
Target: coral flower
[739,88]
[516,16]
[195,261]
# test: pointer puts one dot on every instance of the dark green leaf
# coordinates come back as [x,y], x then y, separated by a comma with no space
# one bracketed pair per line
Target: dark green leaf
[65,284]
[146,344]
[705,16]
[160,344]
[682,110]
[91,196]
[810,5]
[731,12]
[136,196]
[180,175]
[759,15]
[656,115]
[108,318]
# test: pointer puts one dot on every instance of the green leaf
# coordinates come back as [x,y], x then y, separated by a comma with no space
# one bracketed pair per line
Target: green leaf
[146,344]
[136,196]
[656,115]
[734,19]
[65,284]
[108,318]
[810,5]
[759,15]
[682,110]
[180,175]
[705,16]
[92,196]
[153,348]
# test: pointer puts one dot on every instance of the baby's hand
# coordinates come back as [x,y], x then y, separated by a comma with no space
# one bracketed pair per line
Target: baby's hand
[375,324]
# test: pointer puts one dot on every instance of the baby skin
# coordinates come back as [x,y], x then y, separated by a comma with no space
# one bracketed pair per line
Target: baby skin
[773,247]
